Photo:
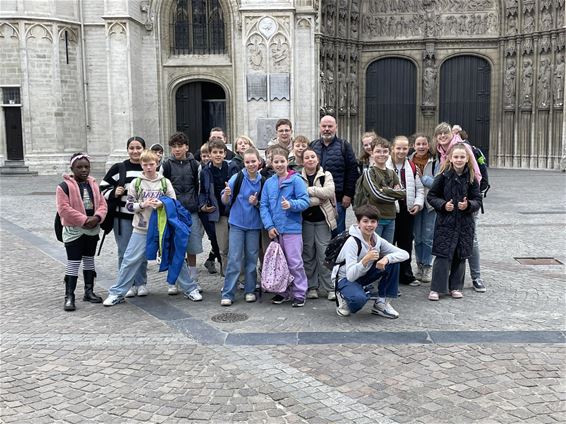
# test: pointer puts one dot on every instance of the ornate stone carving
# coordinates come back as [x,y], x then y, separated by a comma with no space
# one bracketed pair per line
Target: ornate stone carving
[509,84]
[8,30]
[329,11]
[511,8]
[529,22]
[116,29]
[279,48]
[267,27]
[543,84]
[342,18]
[544,44]
[511,28]
[38,31]
[353,82]
[546,19]
[510,48]
[558,92]
[256,51]
[527,83]
[342,83]
[527,47]
[429,82]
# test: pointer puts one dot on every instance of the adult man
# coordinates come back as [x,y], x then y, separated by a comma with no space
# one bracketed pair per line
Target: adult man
[284,138]
[217,133]
[337,157]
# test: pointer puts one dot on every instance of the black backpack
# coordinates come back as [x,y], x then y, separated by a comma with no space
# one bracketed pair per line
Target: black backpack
[57,226]
[335,246]
[238,186]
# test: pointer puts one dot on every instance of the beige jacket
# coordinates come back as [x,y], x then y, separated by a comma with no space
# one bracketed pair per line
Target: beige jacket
[323,196]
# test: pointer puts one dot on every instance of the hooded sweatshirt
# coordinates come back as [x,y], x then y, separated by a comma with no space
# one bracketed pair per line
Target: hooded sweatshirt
[148,188]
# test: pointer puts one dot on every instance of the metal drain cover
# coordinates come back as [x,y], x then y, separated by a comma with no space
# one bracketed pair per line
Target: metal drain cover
[229,317]
[538,261]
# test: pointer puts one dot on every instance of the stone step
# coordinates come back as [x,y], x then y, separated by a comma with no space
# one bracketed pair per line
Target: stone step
[15,167]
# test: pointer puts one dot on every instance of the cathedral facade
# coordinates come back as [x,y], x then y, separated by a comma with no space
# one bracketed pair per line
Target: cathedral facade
[81,75]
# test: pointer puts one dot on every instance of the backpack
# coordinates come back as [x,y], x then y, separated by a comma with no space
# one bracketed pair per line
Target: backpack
[238,186]
[57,225]
[137,185]
[113,205]
[275,275]
[335,247]
[166,167]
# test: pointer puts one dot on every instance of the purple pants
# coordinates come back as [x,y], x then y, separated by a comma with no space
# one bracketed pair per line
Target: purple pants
[292,245]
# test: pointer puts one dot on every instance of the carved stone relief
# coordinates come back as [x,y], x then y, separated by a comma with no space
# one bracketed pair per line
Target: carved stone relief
[342,83]
[429,82]
[546,19]
[353,82]
[342,18]
[559,80]
[279,48]
[529,22]
[509,83]
[543,84]
[7,30]
[256,51]
[527,83]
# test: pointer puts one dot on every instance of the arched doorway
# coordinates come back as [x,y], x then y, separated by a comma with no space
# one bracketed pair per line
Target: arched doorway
[200,106]
[465,83]
[391,95]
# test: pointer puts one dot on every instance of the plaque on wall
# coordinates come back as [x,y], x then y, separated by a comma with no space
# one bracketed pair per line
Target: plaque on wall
[265,131]
[257,86]
[279,86]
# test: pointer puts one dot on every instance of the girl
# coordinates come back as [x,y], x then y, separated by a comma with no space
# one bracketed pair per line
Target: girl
[408,207]
[445,139]
[82,208]
[242,144]
[318,222]
[423,227]
[455,195]
[245,228]
[366,160]
[300,143]
[283,198]
[115,187]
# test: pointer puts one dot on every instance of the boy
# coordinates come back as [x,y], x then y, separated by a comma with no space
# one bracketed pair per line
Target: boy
[143,197]
[182,170]
[380,187]
[213,179]
[208,226]
[300,143]
[158,150]
[365,258]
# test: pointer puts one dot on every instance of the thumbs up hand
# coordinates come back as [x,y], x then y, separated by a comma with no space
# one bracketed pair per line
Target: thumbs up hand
[463,205]
[253,199]
[449,206]
[285,204]
[227,190]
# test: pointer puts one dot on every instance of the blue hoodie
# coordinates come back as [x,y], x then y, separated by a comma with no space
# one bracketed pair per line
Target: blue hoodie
[242,214]
[294,189]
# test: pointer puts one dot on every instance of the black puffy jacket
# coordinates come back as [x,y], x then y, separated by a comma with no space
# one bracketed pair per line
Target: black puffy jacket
[338,159]
[454,231]
[183,175]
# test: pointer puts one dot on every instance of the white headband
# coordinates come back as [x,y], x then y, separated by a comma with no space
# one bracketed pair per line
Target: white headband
[76,158]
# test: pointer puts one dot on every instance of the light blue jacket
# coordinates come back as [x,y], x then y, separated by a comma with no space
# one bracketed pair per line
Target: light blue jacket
[293,189]
[242,213]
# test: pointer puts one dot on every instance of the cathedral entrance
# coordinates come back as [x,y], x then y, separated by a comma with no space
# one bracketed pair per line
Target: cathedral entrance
[14,143]
[200,106]
[391,95]
[465,83]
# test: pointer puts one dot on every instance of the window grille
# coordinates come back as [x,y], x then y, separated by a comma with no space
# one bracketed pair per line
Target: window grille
[11,95]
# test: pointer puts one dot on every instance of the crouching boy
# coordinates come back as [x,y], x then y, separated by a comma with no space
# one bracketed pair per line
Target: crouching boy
[364,259]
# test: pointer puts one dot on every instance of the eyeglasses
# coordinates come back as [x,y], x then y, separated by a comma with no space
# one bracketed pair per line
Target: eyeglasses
[284,131]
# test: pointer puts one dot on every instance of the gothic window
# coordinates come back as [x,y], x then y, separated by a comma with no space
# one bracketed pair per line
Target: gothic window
[197,27]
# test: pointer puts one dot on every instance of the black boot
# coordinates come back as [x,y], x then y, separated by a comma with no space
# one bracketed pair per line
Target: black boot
[89,287]
[70,286]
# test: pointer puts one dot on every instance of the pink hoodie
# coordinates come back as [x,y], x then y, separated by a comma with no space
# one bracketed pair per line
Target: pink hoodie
[71,208]
[457,139]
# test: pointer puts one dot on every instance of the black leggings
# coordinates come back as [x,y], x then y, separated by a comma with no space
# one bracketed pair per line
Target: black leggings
[83,246]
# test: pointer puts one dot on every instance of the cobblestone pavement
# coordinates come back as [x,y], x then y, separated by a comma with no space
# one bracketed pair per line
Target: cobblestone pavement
[496,357]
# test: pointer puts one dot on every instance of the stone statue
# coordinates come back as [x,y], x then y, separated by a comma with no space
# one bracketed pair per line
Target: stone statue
[544,83]
[429,80]
[559,80]
[322,92]
[527,82]
[529,22]
[546,19]
[509,87]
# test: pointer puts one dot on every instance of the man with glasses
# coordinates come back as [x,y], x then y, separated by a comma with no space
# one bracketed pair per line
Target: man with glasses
[284,138]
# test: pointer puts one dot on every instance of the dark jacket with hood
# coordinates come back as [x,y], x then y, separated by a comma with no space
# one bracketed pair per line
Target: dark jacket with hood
[183,175]
[454,231]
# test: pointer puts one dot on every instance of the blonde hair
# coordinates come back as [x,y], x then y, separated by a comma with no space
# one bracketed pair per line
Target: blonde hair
[204,148]
[246,139]
[447,165]
[148,156]
[442,128]
[252,151]
[301,139]
[364,156]
[395,140]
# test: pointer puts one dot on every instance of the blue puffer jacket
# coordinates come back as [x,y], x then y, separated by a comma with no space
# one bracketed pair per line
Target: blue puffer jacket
[168,232]
[293,189]
[338,158]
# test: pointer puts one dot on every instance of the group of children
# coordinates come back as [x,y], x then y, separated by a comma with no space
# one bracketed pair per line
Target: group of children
[428,197]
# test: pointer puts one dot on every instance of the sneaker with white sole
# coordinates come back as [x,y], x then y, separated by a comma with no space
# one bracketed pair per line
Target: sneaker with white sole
[210,266]
[199,288]
[250,297]
[132,292]
[113,299]
[225,302]
[172,290]
[419,273]
[342,309]
[312,294]
[384,309]
[479,286]
[331,295]
[143,290]
[195,296]
[427,274]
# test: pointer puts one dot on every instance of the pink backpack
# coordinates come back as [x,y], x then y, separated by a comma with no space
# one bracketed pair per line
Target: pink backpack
[275,276]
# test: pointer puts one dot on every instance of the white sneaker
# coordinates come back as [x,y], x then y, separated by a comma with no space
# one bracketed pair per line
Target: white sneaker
[250,297]
[342,308]
[419,273]
[384,309]
[199,288]
[332,295]
[112,300]
[195,296]
[132,292]
[312,294]
[172,290]
[225,302]
[143,290]
[427,274]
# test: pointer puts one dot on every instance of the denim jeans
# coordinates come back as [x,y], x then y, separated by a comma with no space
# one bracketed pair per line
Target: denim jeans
[122,239]
[243,247]
[423,231]
[353,291]
[340,220]
[386,229]
[134,259]
[448,274]
[474,260]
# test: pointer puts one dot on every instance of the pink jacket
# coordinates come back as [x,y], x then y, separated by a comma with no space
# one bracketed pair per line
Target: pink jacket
[71,208]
